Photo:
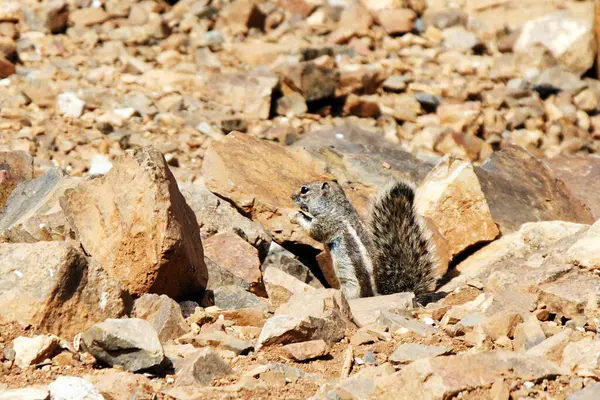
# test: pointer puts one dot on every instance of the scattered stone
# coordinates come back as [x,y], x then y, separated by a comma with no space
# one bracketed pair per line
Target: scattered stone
[137,238]
[569,39]
[163,313]
[89,16]
[307,350]
[15,167]
[582,357]
[409,352]
[29,393]
[368,309]
[217,340]
[313,81]
[400,324]
[29,351]
[235,255]
[233,297]
[130,343]
[460,39]
[291,105]
[71,387]
[528,334]
[436,378]
[397,21]
[122,385]
[591,392]
[200,368]
[281,286]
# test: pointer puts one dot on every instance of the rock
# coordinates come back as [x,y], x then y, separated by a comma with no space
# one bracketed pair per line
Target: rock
[552,348]
[280,258]
[521,244]
[361,106]
[70,105]
[445,18]
[140,233]
[395,83]
[514,200]
[28,297]
[89,16]
[40,91]
[71,388]
[584,251]
[281,286]
[569,294]
[307,350]
[217,340]
[397,21]
[528,334]
[318,314]
[402,324]
[254,317]
[582,357]
[502,323]
[200,367]
[33,213]
[266,201]
[163,313]
[34,350]
[591,392]
[313,81]
[50,16]
[555,79]
[367,310]
[100,165]
[235,255]
[460,39]
[130,343]
[15,167]
[7,68]
[570,40]
[436,378]
[29,393]
[409,352]
[581,177]
[121,385]
[234,297]
[217,215]
[452,191]
[291,105]
[241,15]
[360,385]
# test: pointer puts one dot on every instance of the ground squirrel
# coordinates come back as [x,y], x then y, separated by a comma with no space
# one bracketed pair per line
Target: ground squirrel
[392,253]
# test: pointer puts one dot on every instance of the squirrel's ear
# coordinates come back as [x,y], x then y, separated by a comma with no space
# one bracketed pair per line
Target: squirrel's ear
[324,187]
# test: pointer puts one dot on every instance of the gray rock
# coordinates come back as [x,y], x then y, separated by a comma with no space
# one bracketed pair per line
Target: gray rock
[591,392]
[409,352]
[141,103]
[528,334]
[72,388]
[217,215]
[290,372]
[234,297]
[395,322]
[367,310]
[459,38]
[131,343]
[519,188]
[361,385]
[32,212]
[559,78]
[31,275]
[280,258]
[200,368]
[318,314]
[219,277]
[163,313]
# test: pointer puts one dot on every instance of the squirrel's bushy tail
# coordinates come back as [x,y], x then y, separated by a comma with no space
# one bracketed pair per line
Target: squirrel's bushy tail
[404,259]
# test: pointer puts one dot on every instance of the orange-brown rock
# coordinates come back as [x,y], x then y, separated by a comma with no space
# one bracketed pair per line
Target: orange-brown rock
[137,225]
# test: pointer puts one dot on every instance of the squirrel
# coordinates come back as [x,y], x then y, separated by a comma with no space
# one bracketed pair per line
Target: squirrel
[392,253]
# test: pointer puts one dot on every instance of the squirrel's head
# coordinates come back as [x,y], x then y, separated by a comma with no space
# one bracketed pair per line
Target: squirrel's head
[319,197]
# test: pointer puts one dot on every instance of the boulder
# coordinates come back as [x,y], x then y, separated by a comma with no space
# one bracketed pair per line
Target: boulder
[28,297]
[71,387]
[451,192]
[200,367]
[307,350]
[259,178]
[281,286]
[29,351]
[519,188]
[143,233]
[131,343]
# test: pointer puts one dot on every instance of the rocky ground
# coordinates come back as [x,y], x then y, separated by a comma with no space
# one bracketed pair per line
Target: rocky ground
[148,151]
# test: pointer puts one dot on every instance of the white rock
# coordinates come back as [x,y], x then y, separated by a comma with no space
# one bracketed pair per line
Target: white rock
[72,388]
[70,105]
[34,350]
[30,393]
[100,164]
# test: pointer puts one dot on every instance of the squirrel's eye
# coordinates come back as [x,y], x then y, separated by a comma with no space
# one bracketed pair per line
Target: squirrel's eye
[304,189]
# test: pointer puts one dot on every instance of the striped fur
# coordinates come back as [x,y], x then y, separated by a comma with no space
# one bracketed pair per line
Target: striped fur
[404,257]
